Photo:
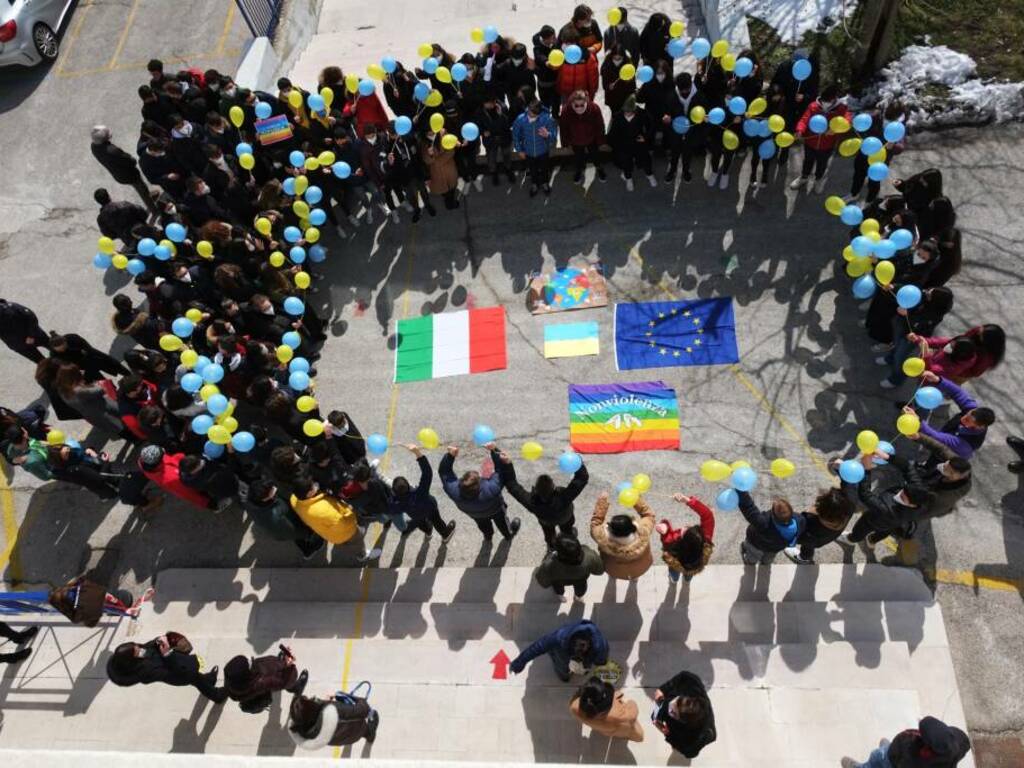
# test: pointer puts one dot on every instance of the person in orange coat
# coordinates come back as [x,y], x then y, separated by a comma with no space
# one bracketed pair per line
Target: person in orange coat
[606,711]
[818,146]
[581,76]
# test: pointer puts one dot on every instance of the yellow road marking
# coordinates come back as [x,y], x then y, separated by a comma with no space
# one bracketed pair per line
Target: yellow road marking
[65,50]
[124,35]
[125,65]
[10,530]
[227,28]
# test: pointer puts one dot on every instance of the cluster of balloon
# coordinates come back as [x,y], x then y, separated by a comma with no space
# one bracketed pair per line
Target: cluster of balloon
[741,477]
[630,491]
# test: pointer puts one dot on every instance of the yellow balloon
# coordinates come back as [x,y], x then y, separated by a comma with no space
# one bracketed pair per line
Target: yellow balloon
[351,83]
[848,253]
[730,140]
[739,463]
[205,249]
[305,404]
[443,74]
[874,237]
[302,280]
[230,423]
[642,482]
[276,259]
[207,391]
[908,424]
[189,357]
[433,99]
[301,208]
[714,471]
[436,122]
[849,147]
[170,246]
[839,124]
[449,141]
[326,158]
[313,428]
[295,98]
[476,35]
[867,441]
[312,235]
[327,95]
[757,106]
[868,226]
[885,271]
[676,29]
[227,412]
[301,184]
[55,437]
[729,62]
[247,161]
[614,16]
[119,260]
[532,450]
[697,115]
[858,267]
[219,434]
[170,343]
[784,139]
[720,48]
[426,49]
[627,72]
[105,245]
[237,116]
[913,367]
[263,225]
[428,438]
[878,157]
[556,58]
[376,71]
[285,353]
[834,204]
[782,468]
[311,164]
[776,122]
[628,497]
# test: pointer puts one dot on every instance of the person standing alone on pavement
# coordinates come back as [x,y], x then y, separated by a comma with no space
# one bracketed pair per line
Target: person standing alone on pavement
[119,164]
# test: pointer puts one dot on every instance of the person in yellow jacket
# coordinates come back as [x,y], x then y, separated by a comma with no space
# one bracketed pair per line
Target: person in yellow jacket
[331,518]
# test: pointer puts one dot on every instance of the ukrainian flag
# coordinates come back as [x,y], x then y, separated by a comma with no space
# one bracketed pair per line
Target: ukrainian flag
[571,340]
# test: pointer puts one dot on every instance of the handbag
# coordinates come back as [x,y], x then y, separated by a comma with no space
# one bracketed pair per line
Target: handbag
[351,697]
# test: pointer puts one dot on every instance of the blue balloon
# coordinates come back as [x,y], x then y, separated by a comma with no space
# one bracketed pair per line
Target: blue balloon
[744,479]
[459,72]
[490,33]
[217,404]
[213,450]
[870,146]
[727,500]
[291,339]
[294,306]
[182,327]
[676,47]
[928,398]
[213,373]
[625,485]
[342,169]
[366,87]
[377,443]
[201,364]
[851,215]
[862,122]
[818,124]
[403,125]
[801,69]
[644,74]
[864,287]
[909,296]
[570,462]
[146,246]
[317,253]
[573,54]
[884,249]
[766,149]
[191,382]
[744,66]
[701,48]
[680,124]
[750,127]
[764,130]
[716,116]
[421,91]
[894,132]
[243,442]
[289,186]
[299,381]
[201,424]
[162,253]
[902,238]
[175,232]
[852,471]
[887,448]
[297,158]
[482,434]
[430,65]
[298,365]
[70,442]
[470,131]
[263,110]
[316,102]
[388,64]
[297,254]
[136,266]
[317,216]
[862,246]
[314,195]
[737,105]
[292,234]
[878,171]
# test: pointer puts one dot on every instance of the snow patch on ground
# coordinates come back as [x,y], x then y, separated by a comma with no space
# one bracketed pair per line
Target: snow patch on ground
[791,18]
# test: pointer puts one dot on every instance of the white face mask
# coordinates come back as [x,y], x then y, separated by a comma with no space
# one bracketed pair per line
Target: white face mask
[617,60]
[827,105]
[532,117]
[431,136]
[202,190]
[945,470]
[517,62]
[660,77]
[371,140]
[629,116]
[230,91]
[948,349]
[918,260]
[579,109]
[186,278]
[901,499]
[576,667]
[185,130]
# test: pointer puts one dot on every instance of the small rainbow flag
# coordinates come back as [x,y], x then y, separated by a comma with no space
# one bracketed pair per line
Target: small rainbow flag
[273,129]
[614,418]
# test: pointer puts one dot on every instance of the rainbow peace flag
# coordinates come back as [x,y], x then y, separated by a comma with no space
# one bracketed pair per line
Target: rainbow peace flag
[273,130]
[614,418]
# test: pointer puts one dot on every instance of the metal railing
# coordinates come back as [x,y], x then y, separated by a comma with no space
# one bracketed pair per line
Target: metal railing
[15,603]
[261,15]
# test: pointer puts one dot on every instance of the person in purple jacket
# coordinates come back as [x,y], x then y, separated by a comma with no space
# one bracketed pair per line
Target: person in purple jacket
[965,432]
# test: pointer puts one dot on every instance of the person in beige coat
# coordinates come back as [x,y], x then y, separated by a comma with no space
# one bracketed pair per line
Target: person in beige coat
[598,705]
[624,541]
[444,174]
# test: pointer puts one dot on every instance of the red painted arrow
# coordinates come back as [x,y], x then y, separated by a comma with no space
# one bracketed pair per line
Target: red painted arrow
[500,662]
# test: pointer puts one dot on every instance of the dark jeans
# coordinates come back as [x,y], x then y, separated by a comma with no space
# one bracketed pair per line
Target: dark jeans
[432,520]
[680,149]
[579,588]
[816,160]
[581,154]
[568,527]
[754,160]
[465,160]
[31,351]
[860,173]
[451,199]
[549,98]
[499,154]
[416,188]
[539,169]
[638,155]
[206,684]
[143,190]
[718,152]
[487,525]
[868,525]
[901,350]
[89,477]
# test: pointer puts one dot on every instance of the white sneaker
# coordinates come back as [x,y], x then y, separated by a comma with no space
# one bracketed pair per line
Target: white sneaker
[652,181]
[881,361]
[723,183]
[713,179]
[754,186]
[793,553]
[373,554]
[798,182]
[629,185]
[353,220]
[577,599]
[819,185]
[478,182]
[407,206]
[886,384]
[881,347]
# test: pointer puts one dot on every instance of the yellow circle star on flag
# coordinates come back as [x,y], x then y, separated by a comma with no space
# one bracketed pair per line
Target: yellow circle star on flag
[663,351]
[688,349]
[696,321]
[686,313]
[697,342]
[661,315]
[676,353]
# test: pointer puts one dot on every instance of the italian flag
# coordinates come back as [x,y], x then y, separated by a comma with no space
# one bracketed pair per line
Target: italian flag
[451,344]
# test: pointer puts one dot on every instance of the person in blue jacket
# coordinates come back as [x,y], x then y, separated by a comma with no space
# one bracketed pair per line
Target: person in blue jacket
[417,503]
[534,134]
[574,649]
[768,533]
[478,497]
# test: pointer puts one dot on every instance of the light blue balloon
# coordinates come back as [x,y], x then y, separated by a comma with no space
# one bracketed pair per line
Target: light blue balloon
[213,450]
[421,91]
[870,146]
[852,471]
[377,443]
[928,398]
[388,64]
[342,169]
[727,500]
[750,127]
[862,246]
[317,217]
[743,479]
[764,130]
[887,448]
[625,485]
[470,131]
[136,266]
[291,339]
[744,67]
[316,102]
[884,249]
[737,105]
[644,74]
[681,124]
[294,306]
[909,296]
[573,54]
[182,327]
[801,69]
[676,47]
[317,253]
[403,124]
[162,253]
[175,232]
[298,365]
[482,434]
[701,48]
[862,122]
[289,186]
[766,149]
[297,254]
[201,424]
[263,110]
[864,287]
[299,381]
[191,382]
[894,132]
[314,195]
[570,462]
[297,158]
[243,442]
[851,215]
[213,373]
[716,116]
[217,404]
[430,65]
[366,87]
[818,124]
[292,234]
[201,362]
[878,171]
[490,33]
[146,246]
[902,238]
[459,72]
[70,442]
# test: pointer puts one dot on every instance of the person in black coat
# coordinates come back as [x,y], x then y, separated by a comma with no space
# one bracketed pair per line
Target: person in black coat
[496,132]
[345,436]
[72,348]
[686,98]
[625,35]
[253,682]
[628,136]
[119,164]
[892,510]
[768,533]
[213,478]
[921,321]
[20,331]
[117,218]
[790,97]
[826,521]
[544,42]
[417,503]
[201,206]
[654,40]
[657,95]
[684,714]
[166,659]
[552,505]
[162,169]
[912,268]
[515,72]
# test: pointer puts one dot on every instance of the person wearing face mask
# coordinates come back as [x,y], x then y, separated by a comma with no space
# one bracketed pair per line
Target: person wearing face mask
[550,504]
[656,95]
[515,72]
[818,147]
[534,135]
[892,510]
[496,134]
[582,126]
[686,98]
[964,432]
[628,136]
[574,649]
[826,520]
[623,34]
[229,183]
[912,268]
[187,145]
[583,75]
[162,169]
[909,327]
[654,40]
[768,533]
[440,162]
[947,475]
[616,88]
[544,42]
[585,28]
[200,205]
[373,157]
[892,113]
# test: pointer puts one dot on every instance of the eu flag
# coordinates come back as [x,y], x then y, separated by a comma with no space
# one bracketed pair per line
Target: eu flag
[655,334]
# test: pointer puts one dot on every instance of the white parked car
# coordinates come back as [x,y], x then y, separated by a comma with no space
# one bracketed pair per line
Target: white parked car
[28,30]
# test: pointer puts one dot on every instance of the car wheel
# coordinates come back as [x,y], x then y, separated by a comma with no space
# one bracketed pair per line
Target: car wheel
[46,42]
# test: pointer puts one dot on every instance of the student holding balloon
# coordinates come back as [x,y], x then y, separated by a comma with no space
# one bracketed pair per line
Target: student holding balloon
[689,108]
[909,326]
[886,124]
[686,550]
[889,511]
[768,533]
[815,127]
[905,268]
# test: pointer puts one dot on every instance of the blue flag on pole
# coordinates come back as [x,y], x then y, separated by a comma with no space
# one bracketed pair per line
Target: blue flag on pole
[656,334]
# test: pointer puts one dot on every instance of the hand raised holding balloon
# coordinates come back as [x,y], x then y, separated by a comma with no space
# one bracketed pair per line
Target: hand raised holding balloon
[930,377]
[681,498]
[414,449]
[909,409]
[453,451]
[505,458]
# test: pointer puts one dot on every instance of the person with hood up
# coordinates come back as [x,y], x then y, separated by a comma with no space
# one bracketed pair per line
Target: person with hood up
[606,711]
[818,146]
[552,505]
[534,135]
[574,649]
[624,541]
[568,563]
[933,744]
[688,549]
[582,126]
[684,714]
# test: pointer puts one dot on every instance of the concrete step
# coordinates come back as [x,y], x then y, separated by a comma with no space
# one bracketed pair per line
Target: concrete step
[862,582]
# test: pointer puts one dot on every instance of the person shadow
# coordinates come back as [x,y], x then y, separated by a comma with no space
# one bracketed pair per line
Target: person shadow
[800,621]
[478,586]
[187,736]
[752,623]
[274,738]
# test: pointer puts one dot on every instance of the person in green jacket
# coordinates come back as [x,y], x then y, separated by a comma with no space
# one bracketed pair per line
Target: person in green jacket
[569,563]
[28,453]
[272,514]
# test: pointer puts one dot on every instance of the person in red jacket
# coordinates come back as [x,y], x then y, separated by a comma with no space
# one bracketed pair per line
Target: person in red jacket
[818,146]
[687,550]
[133,394]
[365,110]
[582,76]
[162,469]
[582,128]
